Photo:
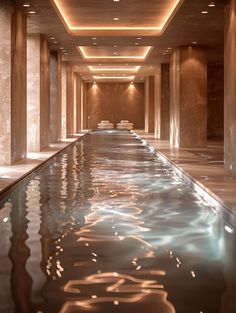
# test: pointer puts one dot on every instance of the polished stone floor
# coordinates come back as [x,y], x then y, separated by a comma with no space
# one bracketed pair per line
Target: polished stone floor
[204,165]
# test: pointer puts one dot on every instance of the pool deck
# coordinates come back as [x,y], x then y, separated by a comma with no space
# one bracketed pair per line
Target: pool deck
[204,165]
[11,174]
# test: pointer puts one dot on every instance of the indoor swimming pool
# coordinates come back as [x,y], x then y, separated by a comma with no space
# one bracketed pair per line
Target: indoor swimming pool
[108,227]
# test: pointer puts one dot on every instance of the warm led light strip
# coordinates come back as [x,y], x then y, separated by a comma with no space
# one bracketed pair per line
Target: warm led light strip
[113,77]
[84,55]
[110,69]
[72,28]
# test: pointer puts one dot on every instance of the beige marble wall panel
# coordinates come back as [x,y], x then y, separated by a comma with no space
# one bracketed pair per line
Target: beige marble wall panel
[175,99]
[114,102]
[44,93]
[78,104]
[149,104]
[230,90]
[55,96]
[59,94]
[5,82]
[69,100]
[157,102]
[165,102]
[189,97]
[33,92]
[215,102]
[18,84]
[63,99]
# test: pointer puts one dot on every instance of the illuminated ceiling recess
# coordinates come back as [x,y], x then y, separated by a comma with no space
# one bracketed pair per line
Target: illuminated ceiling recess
[106,54]
[121,18]
[104,69]
[113,78]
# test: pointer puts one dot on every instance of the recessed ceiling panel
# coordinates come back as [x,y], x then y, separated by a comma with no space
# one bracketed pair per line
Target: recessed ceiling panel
[115,69]
[108,54]
[116,18]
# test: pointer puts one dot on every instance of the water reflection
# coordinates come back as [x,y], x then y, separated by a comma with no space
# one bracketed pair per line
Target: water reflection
[108,227]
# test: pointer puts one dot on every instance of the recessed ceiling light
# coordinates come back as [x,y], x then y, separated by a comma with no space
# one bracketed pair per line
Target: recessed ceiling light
[136,43]
[164,53]
[26,5]
[52,38]
[66,53]
[94,38]
[116,0]
[204,12]
[116,18]
[211,4]
[115,46]
[194,42]
[115,53]
[94,43]
[139,38]
[169,48]
[55,41]
[62,48]
[31,12]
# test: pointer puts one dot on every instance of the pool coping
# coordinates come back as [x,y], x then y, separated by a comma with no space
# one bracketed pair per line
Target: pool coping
[215,201]
[10,187]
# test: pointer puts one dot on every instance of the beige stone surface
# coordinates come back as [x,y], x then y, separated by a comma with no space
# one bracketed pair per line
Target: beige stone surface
[12,83]
[33,92]
[215,101]
[5,82]
[113,102]
[55,96]
[78,87]
[149,104]
[189,97]
[230,90]
[63,100]
[44,93]
[70,101]
[162,102]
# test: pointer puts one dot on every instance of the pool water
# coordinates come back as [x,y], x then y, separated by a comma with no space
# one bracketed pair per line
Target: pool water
[108,227]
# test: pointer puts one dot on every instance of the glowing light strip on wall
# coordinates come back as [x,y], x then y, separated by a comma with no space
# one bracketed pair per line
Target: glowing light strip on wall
[112,69]
[85,56]
[67,22]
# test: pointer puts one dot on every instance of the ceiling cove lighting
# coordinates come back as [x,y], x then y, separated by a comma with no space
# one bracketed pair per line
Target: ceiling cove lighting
[83,53]
[77,29]
[114,69]
[114,77]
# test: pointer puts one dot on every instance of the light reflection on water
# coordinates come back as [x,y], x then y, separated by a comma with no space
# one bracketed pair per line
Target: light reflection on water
[109,228]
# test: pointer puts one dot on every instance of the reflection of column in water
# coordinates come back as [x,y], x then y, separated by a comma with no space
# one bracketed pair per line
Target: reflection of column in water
[33,242]
[6,304]
[19,253]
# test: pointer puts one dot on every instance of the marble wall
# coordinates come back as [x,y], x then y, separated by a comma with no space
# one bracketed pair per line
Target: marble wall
[12,83]
[69,100]
[215,102]
[149,104]
[113,102]
[188,122]
[55,96]
[63,100]
[78,95]
[230,90]
[38,92]
[162,102]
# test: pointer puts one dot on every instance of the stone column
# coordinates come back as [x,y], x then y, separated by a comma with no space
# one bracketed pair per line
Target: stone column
[55,96]
[188,97]
[149,104]
[12,83]
[230,90]
[63,99]
[38,93]
[78,95]
[162,102]
[69,100]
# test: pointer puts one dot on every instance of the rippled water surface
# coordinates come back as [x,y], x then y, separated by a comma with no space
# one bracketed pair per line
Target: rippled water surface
[107,227]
